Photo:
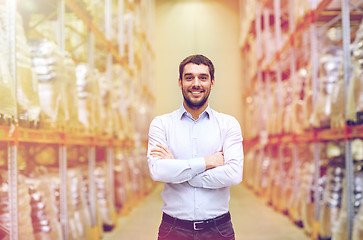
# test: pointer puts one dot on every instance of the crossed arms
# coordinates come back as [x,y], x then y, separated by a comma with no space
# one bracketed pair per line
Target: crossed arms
[221,169]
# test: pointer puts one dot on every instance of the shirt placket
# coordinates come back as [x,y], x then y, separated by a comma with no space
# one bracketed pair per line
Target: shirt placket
[195,155]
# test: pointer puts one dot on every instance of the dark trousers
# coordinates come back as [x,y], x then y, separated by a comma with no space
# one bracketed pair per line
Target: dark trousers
[170,231]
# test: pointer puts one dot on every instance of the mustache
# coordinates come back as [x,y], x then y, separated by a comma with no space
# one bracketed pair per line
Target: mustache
[197,88]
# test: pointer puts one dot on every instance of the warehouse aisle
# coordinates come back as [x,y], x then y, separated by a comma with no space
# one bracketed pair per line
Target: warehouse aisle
[252,219]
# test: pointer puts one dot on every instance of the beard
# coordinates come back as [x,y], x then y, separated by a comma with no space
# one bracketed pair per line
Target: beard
[195,103]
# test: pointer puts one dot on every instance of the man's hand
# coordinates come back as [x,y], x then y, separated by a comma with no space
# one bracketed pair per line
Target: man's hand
[214,160]
[161,152]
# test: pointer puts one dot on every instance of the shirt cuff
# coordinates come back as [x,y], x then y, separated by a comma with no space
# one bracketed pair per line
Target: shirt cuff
[197,165]
[196,181]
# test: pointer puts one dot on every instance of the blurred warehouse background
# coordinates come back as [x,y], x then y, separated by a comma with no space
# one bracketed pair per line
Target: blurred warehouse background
[82,79]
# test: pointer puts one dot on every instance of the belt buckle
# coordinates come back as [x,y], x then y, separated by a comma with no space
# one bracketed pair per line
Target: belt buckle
[196,227]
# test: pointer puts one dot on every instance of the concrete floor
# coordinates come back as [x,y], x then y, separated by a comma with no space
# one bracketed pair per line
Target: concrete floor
[251,217]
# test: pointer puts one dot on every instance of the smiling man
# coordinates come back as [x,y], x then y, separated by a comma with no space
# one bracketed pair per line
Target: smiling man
[197,152]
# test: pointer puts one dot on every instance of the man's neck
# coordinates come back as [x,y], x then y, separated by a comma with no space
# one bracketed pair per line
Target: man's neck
[195,111]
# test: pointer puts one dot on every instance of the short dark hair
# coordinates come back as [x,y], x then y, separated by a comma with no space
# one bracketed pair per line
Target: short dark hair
[196,59]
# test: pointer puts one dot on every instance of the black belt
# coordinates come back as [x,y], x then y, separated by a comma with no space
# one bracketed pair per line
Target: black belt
[197,225]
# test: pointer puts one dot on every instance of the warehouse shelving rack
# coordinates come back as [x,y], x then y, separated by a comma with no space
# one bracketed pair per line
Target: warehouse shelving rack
[14,135]
[308,22]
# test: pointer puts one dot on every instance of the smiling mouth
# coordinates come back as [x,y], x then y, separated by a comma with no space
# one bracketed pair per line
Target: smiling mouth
[196,93]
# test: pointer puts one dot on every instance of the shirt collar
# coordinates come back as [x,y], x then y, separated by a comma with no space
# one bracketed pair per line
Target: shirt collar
[183,111]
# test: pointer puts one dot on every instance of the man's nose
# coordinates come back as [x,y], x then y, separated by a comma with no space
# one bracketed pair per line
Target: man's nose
[196,82]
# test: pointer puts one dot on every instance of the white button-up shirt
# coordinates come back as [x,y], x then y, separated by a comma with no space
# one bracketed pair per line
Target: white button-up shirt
[191,192]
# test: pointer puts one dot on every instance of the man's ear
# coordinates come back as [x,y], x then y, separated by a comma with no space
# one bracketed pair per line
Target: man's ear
[180,83]
[212,85]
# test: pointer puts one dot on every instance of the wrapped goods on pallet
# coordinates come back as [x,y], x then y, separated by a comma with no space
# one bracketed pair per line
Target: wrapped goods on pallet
[119,100]
[107,114]
[27,83]
[8,103]
[77,199]
[135,171]
[265,167]
[288,186]
[302,85]
[251,105]
[257,171]
[282,187]
[330,63]
[144,170]
[146,182]
[24,219]
[287,97]
[358,224]
[331,204]
[272,180]
[120,172]
[337,103]
[357,152]
[275,190]
[297,202]
[333,173]
[357,233]
[307,197]
[354,111]
[354,106]
[294,202]
[71,99]
[89,98]
[45,212]
[48,63]
[26,229]
[46,191]
[248,9]
[249,164]
[56,83]
[115,101]
[85,189]
[300,103]
[339,231]
[275,126]
[142,117]
[131,173]
[103,197]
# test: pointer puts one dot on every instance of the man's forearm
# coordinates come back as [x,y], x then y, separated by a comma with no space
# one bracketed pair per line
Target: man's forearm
[214,160]
[219,177]
[175,170]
